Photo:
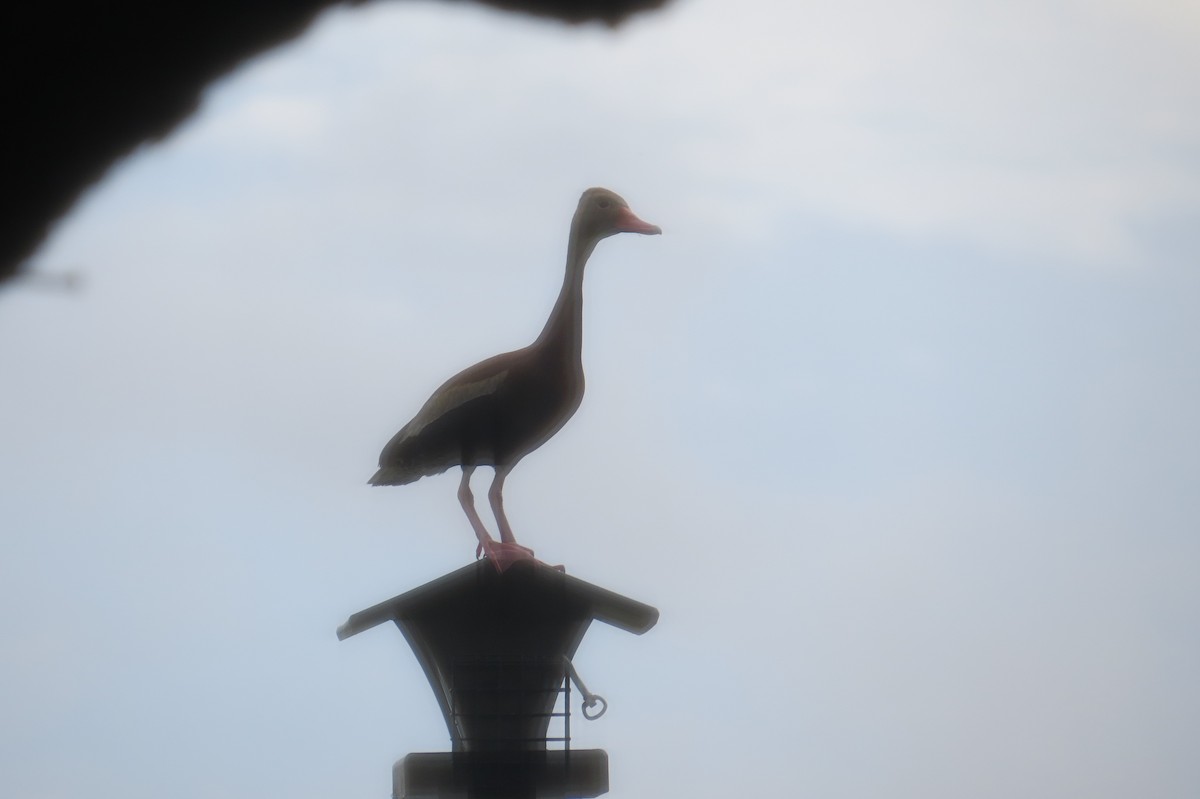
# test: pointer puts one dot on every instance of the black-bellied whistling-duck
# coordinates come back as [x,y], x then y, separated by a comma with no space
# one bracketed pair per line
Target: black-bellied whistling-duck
[499,410]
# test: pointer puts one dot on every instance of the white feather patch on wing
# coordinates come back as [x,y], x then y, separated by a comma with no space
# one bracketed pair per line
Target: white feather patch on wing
[446,401]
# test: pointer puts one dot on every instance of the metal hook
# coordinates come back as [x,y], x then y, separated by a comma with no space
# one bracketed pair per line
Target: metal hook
[590,700]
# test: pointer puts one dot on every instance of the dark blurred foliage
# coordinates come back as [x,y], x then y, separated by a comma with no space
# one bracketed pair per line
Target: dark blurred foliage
[83,83]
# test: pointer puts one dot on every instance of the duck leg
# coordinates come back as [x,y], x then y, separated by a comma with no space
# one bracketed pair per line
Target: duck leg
[496,498]
[507,550]
[467,500]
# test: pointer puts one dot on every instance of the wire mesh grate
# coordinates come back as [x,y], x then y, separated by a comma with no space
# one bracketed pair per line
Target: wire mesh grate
[509,703]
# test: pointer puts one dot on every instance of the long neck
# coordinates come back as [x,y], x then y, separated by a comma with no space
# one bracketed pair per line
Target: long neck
[563,334]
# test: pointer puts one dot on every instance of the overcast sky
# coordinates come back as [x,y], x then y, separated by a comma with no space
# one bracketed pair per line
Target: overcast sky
[895,423]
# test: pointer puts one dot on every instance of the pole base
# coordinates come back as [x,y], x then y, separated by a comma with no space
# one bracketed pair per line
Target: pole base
[551,774]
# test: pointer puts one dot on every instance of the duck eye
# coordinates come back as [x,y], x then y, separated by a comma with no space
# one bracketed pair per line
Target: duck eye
[604,203]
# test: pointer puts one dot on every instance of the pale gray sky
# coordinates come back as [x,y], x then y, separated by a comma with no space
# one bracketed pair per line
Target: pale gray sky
[895,423]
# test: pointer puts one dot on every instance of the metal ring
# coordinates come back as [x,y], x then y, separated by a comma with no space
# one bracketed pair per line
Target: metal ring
[593,700]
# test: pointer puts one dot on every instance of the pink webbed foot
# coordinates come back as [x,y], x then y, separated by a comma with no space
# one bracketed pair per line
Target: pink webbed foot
[503,554]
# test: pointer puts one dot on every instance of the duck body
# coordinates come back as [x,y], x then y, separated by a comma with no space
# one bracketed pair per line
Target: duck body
[499,410]
[490,414]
